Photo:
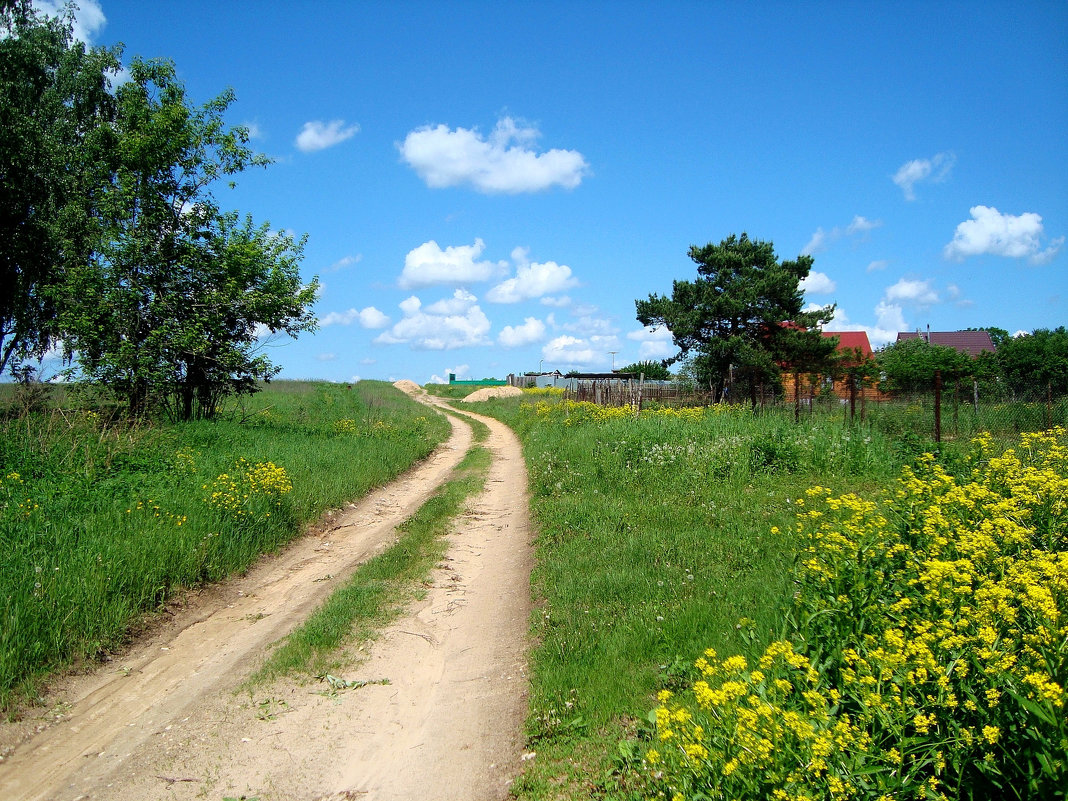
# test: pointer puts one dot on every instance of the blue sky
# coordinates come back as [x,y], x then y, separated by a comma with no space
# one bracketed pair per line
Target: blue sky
[487,187]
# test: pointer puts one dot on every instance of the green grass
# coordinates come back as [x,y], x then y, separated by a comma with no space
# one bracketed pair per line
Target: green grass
[658,538]
[380,588]
[100,523]
[450,390]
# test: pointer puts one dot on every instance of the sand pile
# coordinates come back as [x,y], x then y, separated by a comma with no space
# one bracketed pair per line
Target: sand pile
[404,385]
[492,392]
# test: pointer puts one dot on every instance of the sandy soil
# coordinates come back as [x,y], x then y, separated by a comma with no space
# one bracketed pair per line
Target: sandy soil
[163,721]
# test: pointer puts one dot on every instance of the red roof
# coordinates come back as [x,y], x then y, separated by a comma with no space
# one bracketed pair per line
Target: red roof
[971,342]
[851,340]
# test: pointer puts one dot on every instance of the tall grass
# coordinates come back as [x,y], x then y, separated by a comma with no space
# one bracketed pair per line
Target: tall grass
[100,522]
[660,535]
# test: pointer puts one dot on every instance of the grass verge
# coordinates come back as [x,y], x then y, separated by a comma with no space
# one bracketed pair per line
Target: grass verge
[660,535]
[99,523]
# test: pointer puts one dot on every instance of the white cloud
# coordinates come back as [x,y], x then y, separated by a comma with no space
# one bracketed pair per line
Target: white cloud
[532,280]
[821,240]
[344,262]
[459,303]
[428,264]
[532,330]
[913,292]
[254,130]
[318,135]
[912,172]
[655,344]
[326,357]
[880,264]
[569,351]
[588,325]
[369,317]
[991,232]
[559,301]
[818,283]
[504,162]
[443,326]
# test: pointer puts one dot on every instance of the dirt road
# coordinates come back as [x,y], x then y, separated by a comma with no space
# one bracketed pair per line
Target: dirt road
[163,721]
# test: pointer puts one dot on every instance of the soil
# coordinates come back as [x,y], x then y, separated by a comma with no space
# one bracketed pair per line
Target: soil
[440,716]
[492,392]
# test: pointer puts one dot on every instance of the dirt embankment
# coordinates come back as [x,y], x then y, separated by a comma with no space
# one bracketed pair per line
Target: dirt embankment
[164,720]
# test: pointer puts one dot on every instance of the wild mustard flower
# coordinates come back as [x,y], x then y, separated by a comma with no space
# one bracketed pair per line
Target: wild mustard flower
[938,614]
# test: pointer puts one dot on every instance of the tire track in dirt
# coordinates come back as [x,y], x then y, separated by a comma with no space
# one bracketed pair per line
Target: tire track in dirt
[168,724]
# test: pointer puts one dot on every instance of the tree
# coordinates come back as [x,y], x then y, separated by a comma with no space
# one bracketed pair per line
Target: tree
[729,321]
[179,290]
[653,371]
[910,364]
[1036,364]
[55,110]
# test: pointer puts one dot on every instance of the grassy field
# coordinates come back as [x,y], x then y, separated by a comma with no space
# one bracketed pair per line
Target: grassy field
[100,522]
[660,536]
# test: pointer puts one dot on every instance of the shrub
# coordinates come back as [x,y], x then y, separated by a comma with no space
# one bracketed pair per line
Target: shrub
[926,655]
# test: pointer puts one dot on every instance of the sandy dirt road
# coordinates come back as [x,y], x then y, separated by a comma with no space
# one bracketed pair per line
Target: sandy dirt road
[163,721]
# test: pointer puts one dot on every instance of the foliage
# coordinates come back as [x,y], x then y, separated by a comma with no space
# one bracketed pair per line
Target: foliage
[100,522]
[910,365]
[927,654]
[1036,361]
[54,111]
[180,291]
[653,371]
[731,317]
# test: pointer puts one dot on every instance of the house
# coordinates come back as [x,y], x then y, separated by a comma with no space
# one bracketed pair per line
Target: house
[971,342]
[856,349]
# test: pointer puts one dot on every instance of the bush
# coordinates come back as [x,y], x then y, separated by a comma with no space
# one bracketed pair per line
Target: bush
[926,653]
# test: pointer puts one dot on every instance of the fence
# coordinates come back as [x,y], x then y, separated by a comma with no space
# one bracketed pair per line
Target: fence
[958,410]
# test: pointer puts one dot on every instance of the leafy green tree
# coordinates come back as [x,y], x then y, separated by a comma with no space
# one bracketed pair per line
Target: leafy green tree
[654,371]
[910,365]
[729,321]
[178,291]
[55,110]
[1036,363]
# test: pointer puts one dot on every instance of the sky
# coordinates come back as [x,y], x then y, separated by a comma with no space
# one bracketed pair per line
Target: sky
[487,187]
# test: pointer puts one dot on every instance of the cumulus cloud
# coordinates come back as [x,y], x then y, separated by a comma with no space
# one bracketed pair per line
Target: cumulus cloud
[428,264]
[569,351]
[452,323]
[461,371]
[991,232]
[911,291]
[532,330]
[821,240]
[654,343]
[532,280]
[936,169]
[818,283]
[557,301]
[318,135]
[459,303]
[504,162]
[369,317]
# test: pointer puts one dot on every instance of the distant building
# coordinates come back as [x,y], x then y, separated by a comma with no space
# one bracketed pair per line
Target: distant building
[849,342]
[971,342]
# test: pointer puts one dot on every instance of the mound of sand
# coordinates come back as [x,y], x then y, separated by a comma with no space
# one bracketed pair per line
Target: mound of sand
[404,385]
[492,392]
